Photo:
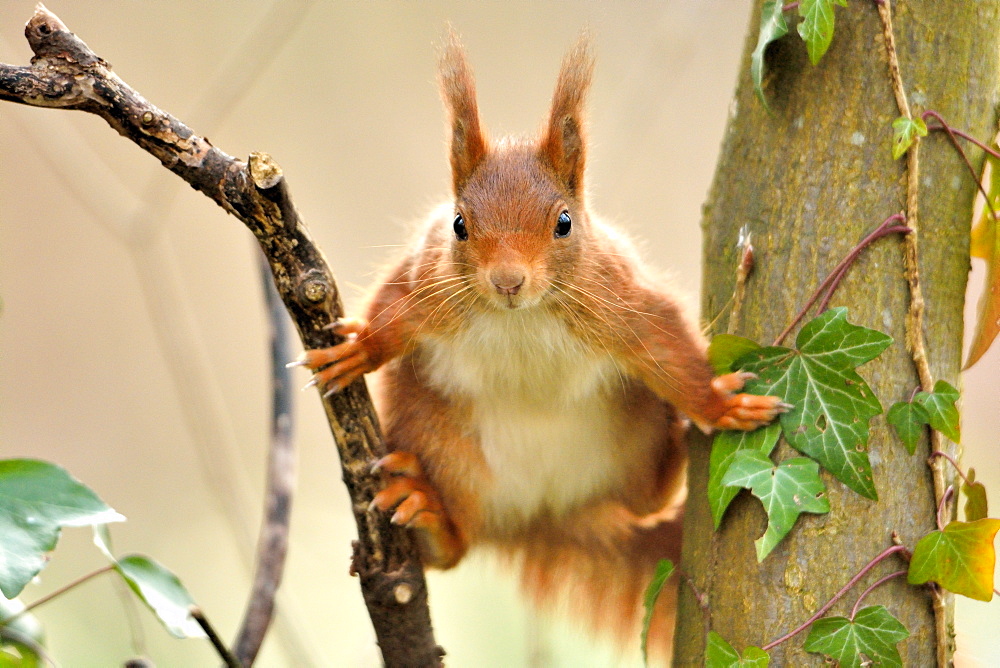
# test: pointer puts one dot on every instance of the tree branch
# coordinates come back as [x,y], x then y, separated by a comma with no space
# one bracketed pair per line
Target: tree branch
[66,74]
[272,544]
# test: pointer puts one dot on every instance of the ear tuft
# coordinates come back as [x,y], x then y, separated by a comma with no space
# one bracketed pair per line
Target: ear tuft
[458,90]
[563,145]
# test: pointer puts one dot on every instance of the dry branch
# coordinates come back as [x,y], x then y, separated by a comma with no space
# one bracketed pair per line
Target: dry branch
[272,543]
[66,74]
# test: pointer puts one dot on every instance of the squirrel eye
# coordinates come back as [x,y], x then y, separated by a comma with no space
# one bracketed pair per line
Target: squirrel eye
[459,225]
[564,225]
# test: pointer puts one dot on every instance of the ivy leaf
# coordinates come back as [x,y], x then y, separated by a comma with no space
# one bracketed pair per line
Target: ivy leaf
[940,405]
[909,419]
[664,569]
[720,654]
[157,587]
[772,27]
[960,558]
[868,640]
[904,130]
[787,490]
[975,498]
[986,246]
[816,27]
[724,448]
[162,592]
[725,349]
[37,499]
[832,404]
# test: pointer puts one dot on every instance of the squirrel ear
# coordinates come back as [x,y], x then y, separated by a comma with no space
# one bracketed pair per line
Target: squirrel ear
[458,89]
[563,144]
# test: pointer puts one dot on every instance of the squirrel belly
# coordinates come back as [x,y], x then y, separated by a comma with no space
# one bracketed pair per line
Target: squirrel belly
[559,424]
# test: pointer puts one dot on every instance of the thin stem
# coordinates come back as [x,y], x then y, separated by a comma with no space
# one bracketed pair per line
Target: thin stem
[839,595]
[790,6]
[699,598]
[831,282]
[58,592]
[878,583]
[972,170]
[938,453]
[964,135]
[213,637]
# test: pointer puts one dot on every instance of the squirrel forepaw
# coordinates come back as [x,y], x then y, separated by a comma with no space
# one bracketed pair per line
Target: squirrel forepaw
[743,411]
[338,366]
[418,506]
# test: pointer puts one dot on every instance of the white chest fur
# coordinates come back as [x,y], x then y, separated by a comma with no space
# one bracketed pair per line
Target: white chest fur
[544,407]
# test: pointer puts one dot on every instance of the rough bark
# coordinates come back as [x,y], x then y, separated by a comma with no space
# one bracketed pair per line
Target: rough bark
[66,74]
[810,179]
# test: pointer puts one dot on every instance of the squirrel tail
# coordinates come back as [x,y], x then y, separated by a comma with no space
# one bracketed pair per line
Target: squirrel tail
[600,576]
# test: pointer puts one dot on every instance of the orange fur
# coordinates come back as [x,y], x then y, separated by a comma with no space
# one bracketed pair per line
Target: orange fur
[535,373]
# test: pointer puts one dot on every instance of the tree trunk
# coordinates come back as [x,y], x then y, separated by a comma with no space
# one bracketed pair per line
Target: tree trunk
[809,180]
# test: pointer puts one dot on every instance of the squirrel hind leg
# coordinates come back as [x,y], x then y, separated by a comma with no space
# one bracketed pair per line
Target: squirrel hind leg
[418,506]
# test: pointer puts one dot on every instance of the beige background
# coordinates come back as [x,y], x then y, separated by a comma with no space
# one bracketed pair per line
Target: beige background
[132,338]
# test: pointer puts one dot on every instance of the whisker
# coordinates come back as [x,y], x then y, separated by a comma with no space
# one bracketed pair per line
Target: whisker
[653,367]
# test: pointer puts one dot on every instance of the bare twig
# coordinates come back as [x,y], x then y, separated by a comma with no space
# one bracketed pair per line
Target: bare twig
[875,585]
[272,544]
[213,637]
[745,249]
[66,74]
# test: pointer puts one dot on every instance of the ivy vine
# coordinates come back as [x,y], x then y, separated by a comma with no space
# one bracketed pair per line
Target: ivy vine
[832,404]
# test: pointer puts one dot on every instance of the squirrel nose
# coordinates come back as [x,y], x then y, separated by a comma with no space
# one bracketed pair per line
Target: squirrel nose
[507,280]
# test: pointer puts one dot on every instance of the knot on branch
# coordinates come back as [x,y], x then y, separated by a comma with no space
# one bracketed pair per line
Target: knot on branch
[49,38]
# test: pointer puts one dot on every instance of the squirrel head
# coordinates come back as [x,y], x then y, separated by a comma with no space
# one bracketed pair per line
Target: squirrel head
[520,219]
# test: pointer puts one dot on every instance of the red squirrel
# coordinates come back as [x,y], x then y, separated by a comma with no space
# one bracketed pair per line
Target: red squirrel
[535,372]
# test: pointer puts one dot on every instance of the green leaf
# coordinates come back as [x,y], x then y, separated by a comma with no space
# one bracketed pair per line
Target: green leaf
[162,592]
[787,490]
[909,420]
[772,27]
[940,405]
[664,569]
[816,27]
[831,404]
[868,640]
[904,130]
[37,499]
[16,654]
[720,654]
[975,498]
[19,639]
[724,448]
[725,349]
[960,558]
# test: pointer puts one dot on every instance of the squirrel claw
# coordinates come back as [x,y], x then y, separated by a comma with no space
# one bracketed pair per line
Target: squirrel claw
[338,366]
[744,411]
[417,505]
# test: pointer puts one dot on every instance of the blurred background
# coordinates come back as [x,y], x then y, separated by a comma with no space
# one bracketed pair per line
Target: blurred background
[132,337]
